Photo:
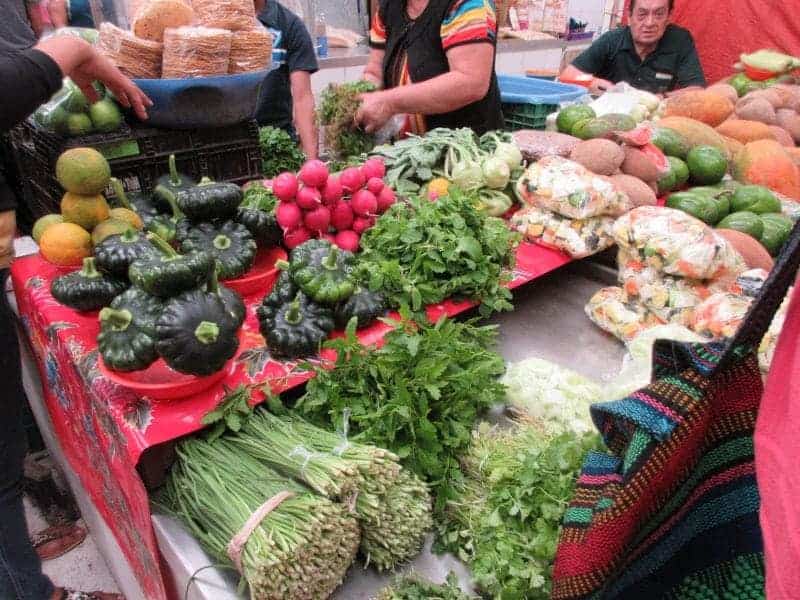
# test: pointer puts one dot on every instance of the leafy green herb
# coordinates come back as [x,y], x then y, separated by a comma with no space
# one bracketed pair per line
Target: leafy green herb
[279,152]
[422,252]
[506,519]
[414,587]
[418,395]
[230,413]
[338,107]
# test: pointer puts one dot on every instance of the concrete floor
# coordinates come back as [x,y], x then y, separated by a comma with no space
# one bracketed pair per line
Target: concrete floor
[81,569]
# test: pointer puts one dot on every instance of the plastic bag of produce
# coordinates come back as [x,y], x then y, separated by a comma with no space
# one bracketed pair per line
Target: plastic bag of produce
[558,397]
[674,242]
[612,311]
[672,299]
[766,351]
[535,145]
[749,283]
[567,188]
[577,237]
[234,15]
[720,315]
[70,114]
[196,52]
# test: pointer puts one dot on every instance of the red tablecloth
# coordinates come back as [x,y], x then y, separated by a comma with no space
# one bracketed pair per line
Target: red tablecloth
[104,428]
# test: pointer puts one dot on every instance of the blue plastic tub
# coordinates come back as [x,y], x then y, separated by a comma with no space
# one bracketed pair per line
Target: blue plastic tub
[528,101]
[203,101]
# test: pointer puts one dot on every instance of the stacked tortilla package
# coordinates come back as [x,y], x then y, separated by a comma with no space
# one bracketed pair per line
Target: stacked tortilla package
[567,207]
[674,269]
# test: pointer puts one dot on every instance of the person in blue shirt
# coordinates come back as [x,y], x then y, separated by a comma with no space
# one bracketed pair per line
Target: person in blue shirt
[78,13]
[287,101]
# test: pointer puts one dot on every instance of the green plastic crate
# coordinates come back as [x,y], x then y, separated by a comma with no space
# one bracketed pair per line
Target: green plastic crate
[527,116]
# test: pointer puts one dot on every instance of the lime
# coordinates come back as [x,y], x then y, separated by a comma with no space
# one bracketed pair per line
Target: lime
[78,124]
[680,169]
[707,165]
[105,115]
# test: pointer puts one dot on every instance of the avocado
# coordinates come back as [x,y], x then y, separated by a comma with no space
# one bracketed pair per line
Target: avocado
[698,206]
[744,221]
[777,229]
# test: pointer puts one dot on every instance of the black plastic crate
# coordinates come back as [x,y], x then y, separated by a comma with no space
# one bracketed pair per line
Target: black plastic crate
[138,156]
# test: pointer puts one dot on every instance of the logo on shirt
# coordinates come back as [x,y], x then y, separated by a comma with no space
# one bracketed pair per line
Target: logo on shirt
[666,76]
[278,51]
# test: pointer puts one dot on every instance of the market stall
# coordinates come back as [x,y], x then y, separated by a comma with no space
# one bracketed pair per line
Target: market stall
[259,378]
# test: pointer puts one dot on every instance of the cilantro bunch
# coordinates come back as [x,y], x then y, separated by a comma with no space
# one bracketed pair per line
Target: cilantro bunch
[418,395]
[279,152]
[421,252]
[413,587]
[338,107]
[506,520]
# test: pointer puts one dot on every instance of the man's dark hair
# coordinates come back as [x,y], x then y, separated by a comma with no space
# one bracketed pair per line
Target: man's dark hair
[633,5]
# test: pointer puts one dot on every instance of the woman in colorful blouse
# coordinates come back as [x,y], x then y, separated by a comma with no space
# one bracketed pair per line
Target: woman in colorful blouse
[434,62]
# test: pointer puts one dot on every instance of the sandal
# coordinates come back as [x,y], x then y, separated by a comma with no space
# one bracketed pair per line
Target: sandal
[75,595]
[57,541]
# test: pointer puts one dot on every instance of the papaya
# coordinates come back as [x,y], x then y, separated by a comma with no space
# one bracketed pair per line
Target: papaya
[781,136]
[745,131]
[751,250]
[701,105]
[695,132]
[794,153]
[766,162]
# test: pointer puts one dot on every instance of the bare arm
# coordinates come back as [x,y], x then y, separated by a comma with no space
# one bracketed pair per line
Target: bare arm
[303,108]
[373,71]
[598,85]
[467,81]
[58,13]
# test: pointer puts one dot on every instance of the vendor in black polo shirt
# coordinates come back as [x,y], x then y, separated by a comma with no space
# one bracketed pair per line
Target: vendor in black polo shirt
[651,54]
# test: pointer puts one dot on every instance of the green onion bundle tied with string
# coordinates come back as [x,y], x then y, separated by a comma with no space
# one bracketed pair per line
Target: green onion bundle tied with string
[393,506]
[300,550]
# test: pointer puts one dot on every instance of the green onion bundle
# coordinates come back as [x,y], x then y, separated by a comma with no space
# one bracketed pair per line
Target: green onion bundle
[393,506]
[276,443]
[301,549]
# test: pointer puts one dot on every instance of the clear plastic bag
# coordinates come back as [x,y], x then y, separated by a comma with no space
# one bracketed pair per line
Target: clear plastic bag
[251,50]
[612,311]
[577,237]
[721,315]
[196,52]
[153,18]
[69,112]
[567,188]
[675,243]
[234,15]
[135,57]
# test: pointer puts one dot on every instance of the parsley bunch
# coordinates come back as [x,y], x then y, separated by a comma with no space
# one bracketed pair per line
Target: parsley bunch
[422,252]
[279,152]
[506,521]
[418,395]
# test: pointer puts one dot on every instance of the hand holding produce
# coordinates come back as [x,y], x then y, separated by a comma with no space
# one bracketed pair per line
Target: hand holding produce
[338,108]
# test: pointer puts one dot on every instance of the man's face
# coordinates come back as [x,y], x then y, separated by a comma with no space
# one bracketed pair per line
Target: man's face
[649,20]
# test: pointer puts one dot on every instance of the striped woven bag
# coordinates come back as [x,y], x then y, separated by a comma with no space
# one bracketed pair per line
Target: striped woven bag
[671,510]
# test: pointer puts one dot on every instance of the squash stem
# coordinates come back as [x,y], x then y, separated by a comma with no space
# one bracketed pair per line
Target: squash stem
[174,176]
[162,246]
[282,265]
[119,192]
[129,236]
[293,315]
[169,196]
[207,332]
[222,242]
[212,285]
[330,261]
[89,269]
[118,320]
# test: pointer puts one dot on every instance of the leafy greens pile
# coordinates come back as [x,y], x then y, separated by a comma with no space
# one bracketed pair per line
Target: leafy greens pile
[422,252]
[506,520]
[338,107]
[413,587]
[279,152]
[418,395]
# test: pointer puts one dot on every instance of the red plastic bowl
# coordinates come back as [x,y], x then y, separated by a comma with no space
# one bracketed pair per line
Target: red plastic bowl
[758,74]
[259,279]
[160,382]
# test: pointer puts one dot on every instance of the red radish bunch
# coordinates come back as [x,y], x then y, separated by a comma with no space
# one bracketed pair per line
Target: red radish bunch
[316,204]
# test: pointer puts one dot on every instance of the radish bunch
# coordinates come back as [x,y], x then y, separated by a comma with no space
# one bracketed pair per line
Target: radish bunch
[339,208]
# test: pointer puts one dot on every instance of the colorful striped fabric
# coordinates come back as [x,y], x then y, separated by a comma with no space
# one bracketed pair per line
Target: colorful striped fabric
[672,510]
[469,21]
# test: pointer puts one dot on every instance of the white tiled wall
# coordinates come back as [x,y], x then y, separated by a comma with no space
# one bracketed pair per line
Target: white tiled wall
[589,11]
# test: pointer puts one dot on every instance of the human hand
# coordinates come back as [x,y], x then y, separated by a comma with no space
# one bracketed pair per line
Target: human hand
[80,62]
[600,86]
[374,112]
